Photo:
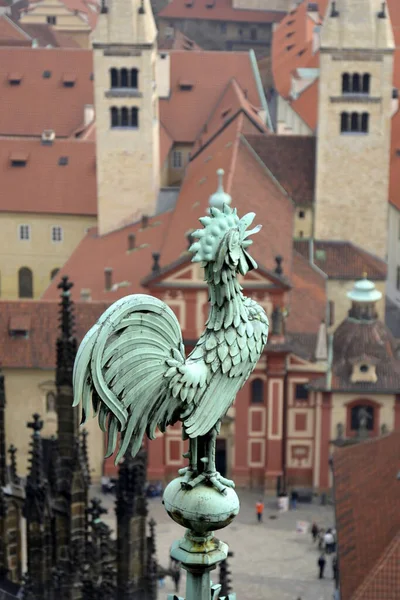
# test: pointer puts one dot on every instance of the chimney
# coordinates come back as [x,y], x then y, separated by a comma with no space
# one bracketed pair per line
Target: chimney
[88,114]
[48,137]
[321,350]
[86,295]
[108,278]
[131,241]
[145,221]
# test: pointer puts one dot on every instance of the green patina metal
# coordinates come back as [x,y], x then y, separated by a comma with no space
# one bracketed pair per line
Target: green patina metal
[131,370]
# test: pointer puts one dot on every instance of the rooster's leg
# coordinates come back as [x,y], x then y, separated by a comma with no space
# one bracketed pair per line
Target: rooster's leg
[189,471]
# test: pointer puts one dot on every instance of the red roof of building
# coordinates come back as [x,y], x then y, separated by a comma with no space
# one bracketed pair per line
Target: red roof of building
[88,10]
[207,75]
[40,101]
[217,10]
[368,518]
[252,188]
[19,34]
[43,185]
[41,319]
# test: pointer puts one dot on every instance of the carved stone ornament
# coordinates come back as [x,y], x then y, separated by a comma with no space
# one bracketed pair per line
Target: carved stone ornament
[131,369]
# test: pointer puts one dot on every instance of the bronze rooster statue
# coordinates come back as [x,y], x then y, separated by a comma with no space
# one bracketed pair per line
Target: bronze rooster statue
[131,366]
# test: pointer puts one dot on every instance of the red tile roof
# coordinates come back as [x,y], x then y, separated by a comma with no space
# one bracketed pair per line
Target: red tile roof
[343,260]
[231,102]
[39,102]
[86,9]
[291,160]
[38,350]
[44,186]
[185,111]
[11,34]
[86,265]
[308,291]
[368,518]
[46,35]
[218,10]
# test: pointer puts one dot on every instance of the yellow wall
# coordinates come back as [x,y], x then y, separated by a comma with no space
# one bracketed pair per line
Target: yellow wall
[339,411]
[26,391]
[337,292]
[175,175]
[303,225]
[39,253]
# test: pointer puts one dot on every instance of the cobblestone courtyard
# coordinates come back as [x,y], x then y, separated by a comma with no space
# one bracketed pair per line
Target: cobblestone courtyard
[271,560]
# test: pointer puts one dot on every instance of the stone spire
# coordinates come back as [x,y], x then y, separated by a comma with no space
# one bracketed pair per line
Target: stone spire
[12,451]
[68,417]
[36,482]
[357,24]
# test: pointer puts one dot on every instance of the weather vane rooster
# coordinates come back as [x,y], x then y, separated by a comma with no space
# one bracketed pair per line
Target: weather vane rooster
[131,366]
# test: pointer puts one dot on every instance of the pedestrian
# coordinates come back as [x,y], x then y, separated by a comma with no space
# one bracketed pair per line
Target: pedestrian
[260,510]
[294,497]
[335,569]
[329,541]
[321,565]
[314,531]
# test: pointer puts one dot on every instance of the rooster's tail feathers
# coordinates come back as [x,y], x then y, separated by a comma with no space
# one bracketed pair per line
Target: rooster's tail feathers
[121,369]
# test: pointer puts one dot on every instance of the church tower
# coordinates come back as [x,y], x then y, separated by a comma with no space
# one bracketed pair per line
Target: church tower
[355,95]
[126,105]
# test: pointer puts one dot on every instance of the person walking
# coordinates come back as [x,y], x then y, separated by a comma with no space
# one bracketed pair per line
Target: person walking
[321,565]
[329,541]
[294,496]
[314,531]
[260,510]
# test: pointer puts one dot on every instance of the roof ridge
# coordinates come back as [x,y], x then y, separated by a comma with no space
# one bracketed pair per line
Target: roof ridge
[16,26]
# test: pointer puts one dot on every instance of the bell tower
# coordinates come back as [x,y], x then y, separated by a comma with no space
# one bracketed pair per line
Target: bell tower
[126,105]
[353,139]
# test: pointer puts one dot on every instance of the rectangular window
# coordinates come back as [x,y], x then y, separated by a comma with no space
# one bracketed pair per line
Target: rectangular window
[24,232]
[177,159]
[253,34]
[56,234]
[398,279]
[223,27]
[301,392]
[52,20]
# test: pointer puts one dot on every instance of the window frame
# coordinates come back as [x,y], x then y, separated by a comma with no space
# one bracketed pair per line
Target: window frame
[177,158]
[31,295]
[258,398]
[20,229]
[304,390]
[51,20]
[55,228]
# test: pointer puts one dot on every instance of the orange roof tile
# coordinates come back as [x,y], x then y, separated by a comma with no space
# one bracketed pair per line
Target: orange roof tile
[41,102]
[221,10]
[185,111]
[38,350]
[11,34]
[44,186]
[368,518]
[308,290]
[228,105]
[95,253]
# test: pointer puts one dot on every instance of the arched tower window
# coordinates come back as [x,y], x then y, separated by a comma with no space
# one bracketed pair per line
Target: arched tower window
[364,122]
[124,117]
[354,122]
[114,78]
[356,84]
[366,80]
[134,117]
[345,83]
[134,79]
[114,116]
[257,391]
[25,283]
[50,402]
[362,416]
[124,78]
[344,122]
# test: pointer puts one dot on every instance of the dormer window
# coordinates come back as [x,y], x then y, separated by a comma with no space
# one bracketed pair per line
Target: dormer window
[364,370]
